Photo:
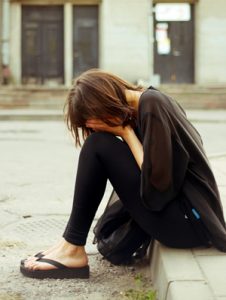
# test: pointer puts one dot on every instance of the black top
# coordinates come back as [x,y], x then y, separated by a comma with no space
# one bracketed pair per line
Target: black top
[175,164]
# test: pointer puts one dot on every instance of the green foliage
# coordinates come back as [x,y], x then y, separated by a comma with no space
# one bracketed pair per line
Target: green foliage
[140,292]
[140,295]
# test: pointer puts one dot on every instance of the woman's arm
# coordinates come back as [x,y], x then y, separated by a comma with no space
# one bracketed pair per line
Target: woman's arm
[135,145]
[127,133]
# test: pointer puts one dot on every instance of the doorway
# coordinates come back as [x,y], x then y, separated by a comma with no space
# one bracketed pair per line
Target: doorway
[85,38]
[174,42]
[42,45]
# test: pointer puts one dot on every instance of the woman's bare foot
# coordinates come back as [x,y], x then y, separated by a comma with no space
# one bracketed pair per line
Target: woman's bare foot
[45,252]
[67,254]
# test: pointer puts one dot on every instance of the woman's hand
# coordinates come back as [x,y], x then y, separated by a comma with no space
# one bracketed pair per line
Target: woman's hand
[127,133]
[98,125]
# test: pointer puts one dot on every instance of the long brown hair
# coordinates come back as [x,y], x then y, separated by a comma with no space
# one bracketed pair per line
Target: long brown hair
[100,95]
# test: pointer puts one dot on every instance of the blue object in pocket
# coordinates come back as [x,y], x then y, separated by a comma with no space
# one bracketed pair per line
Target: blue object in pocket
[195,213]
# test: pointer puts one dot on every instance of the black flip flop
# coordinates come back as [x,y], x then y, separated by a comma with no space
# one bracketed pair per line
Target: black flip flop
[62,271]
[39,255]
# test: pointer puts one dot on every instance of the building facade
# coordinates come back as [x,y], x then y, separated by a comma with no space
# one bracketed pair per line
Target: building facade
[189,44]
[1,43]
[159,41]
[53,41]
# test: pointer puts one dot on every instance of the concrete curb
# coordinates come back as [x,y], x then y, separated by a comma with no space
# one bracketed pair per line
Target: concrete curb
[27,114]
[176,275]
[217,155]
[204,116]
[195,116]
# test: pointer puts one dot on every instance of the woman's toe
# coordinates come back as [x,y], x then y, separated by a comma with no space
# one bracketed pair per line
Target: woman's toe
[42,266]
[31,258]
[36,267]
[29,264]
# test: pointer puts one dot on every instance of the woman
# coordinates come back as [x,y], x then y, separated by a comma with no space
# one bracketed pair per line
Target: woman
[158,168]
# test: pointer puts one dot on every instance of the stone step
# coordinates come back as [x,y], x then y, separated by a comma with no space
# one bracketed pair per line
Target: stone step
[38,97]
[197,97]
[189,96]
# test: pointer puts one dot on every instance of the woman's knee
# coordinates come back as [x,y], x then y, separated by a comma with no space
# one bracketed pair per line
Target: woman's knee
[105,145]
[99,136]
[101,140]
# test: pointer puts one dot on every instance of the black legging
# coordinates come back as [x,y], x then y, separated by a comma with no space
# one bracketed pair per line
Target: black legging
[104,156]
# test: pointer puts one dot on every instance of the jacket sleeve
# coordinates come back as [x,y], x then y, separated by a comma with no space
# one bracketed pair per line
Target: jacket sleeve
[165,160]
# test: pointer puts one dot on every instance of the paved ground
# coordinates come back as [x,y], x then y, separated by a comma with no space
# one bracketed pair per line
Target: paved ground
[38,165]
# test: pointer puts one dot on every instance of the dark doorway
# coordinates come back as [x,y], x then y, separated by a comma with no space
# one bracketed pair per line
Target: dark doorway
[85,38]
[42,45]
[174,47]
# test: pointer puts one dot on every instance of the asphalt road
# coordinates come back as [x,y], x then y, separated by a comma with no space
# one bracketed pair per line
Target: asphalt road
[38,164]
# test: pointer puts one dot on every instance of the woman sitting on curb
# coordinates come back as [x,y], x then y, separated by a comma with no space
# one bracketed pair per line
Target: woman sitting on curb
[158,168]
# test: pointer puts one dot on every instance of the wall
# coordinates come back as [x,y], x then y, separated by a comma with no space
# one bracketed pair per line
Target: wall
[125,38]
[210,63]
[15,42]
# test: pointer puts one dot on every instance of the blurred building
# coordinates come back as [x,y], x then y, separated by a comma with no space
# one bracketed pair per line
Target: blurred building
[160,41]
[53,41]
[189,43]
[1,42]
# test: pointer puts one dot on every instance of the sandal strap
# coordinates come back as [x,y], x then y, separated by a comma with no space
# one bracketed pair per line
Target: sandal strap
[39,254]
[52,262]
